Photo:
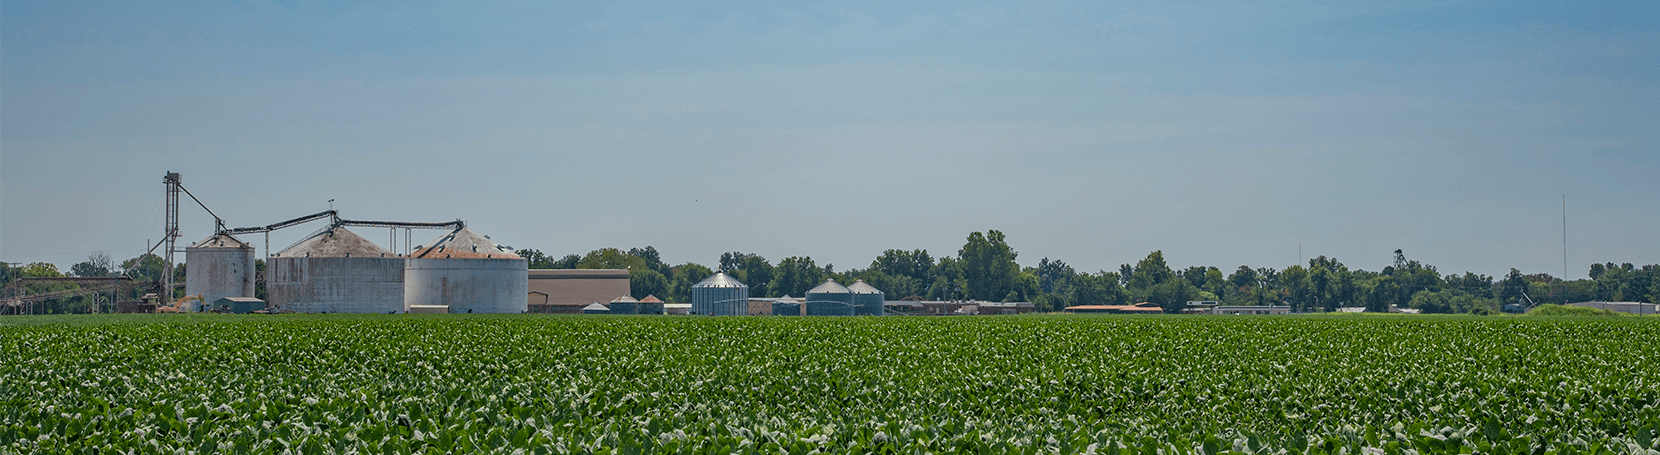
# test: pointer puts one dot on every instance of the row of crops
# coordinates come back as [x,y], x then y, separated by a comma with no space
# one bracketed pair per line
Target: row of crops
[441,384]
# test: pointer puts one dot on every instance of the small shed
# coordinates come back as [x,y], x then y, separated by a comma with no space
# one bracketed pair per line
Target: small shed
[239,305]
[429,309]
[596,308]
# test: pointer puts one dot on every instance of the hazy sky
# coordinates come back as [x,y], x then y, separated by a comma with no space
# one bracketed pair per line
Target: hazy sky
[1223,133]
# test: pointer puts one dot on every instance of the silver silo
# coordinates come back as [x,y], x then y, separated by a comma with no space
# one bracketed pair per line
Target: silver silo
[219,266]
[468,272]
[829,299]
[720,295]
[867,300]
[624,305]
[336,271]
[651,305]
[786,306]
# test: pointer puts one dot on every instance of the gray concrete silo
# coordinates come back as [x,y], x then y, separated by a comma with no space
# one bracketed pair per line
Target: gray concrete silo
[468,272]
[624,305]
[720,295]
[336,271]
[829,299]
[867,300]
[786,306]
[219,266]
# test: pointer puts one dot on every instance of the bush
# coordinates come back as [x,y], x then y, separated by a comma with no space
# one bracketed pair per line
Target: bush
[1551,309]
[1484,311]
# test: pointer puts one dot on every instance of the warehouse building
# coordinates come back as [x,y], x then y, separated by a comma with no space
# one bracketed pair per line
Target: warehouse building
[567,291]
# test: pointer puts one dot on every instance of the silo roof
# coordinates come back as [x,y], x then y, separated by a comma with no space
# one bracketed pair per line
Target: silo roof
[595,307]
[861,287]
[829,287]
[221,240]
[463,243]
[333,243]
[719,280]
[651,299]
[624,299]
[788,300]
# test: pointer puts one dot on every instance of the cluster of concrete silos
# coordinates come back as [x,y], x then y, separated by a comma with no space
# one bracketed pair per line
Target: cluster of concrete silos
[338,271]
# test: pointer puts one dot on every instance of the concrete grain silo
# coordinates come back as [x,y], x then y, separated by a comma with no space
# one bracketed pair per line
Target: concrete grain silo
[720,295]
[336,271]
[829,299]
[867,300]
[468,272]
[219,266]
[624,305]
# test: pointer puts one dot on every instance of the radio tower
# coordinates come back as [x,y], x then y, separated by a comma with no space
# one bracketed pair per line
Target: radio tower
[172,234]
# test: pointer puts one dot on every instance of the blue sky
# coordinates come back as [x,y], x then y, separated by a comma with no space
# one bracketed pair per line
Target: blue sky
[1223,133]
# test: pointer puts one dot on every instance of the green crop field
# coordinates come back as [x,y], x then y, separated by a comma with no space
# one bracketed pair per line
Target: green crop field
[575,384]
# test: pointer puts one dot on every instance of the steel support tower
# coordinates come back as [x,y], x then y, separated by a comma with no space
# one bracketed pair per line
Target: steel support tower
[171,237]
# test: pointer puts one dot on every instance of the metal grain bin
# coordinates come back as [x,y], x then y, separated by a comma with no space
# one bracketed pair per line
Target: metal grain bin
[336,271]
[624,305]
[867,300]
[786,306]
[468,272]
[651,305]
[596,308]
[219,266]
[829,299]
[720,295]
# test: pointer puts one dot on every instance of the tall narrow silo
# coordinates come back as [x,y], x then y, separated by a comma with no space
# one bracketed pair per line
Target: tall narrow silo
[336,271]
[624,305]
[651,305]
[219,266]
[468,272]
[786,306]
[829,299]
[720,295]
[867,300]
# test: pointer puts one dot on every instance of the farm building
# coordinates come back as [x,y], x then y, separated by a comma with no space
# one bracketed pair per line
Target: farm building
[567,291]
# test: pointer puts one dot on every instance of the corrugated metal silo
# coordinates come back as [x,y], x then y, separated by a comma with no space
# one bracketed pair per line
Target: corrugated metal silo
[829,299]
[624,305]
[336,271]
[651,305]
[786,306]
[596,308]
[720,295]
[468,272]
[219,266]
[867,300]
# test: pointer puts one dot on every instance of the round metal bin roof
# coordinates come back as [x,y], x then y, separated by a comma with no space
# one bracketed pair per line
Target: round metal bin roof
[720,280]
[829,287]
[861,287]
[463,243]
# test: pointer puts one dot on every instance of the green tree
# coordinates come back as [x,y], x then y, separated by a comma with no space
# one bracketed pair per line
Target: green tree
[1151,271]
[97,264]
[915,264]
[795,275]
[534,259]
[644,281]
[988,266]
[41,270]
[751,269]
[1100,288]
[1172,295]
[685,276]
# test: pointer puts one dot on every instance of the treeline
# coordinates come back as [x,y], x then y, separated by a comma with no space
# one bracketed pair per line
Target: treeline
[143,269]
[985,269]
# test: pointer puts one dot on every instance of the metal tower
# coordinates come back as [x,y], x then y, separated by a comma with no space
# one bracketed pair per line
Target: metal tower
[171,237]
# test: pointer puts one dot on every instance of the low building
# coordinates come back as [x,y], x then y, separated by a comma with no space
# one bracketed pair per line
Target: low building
[567,291]
[429,309]
[1138,308]
[1623,307]
[1352,309]
[1251,309]
[677,308]
[238,305]
[760,306]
